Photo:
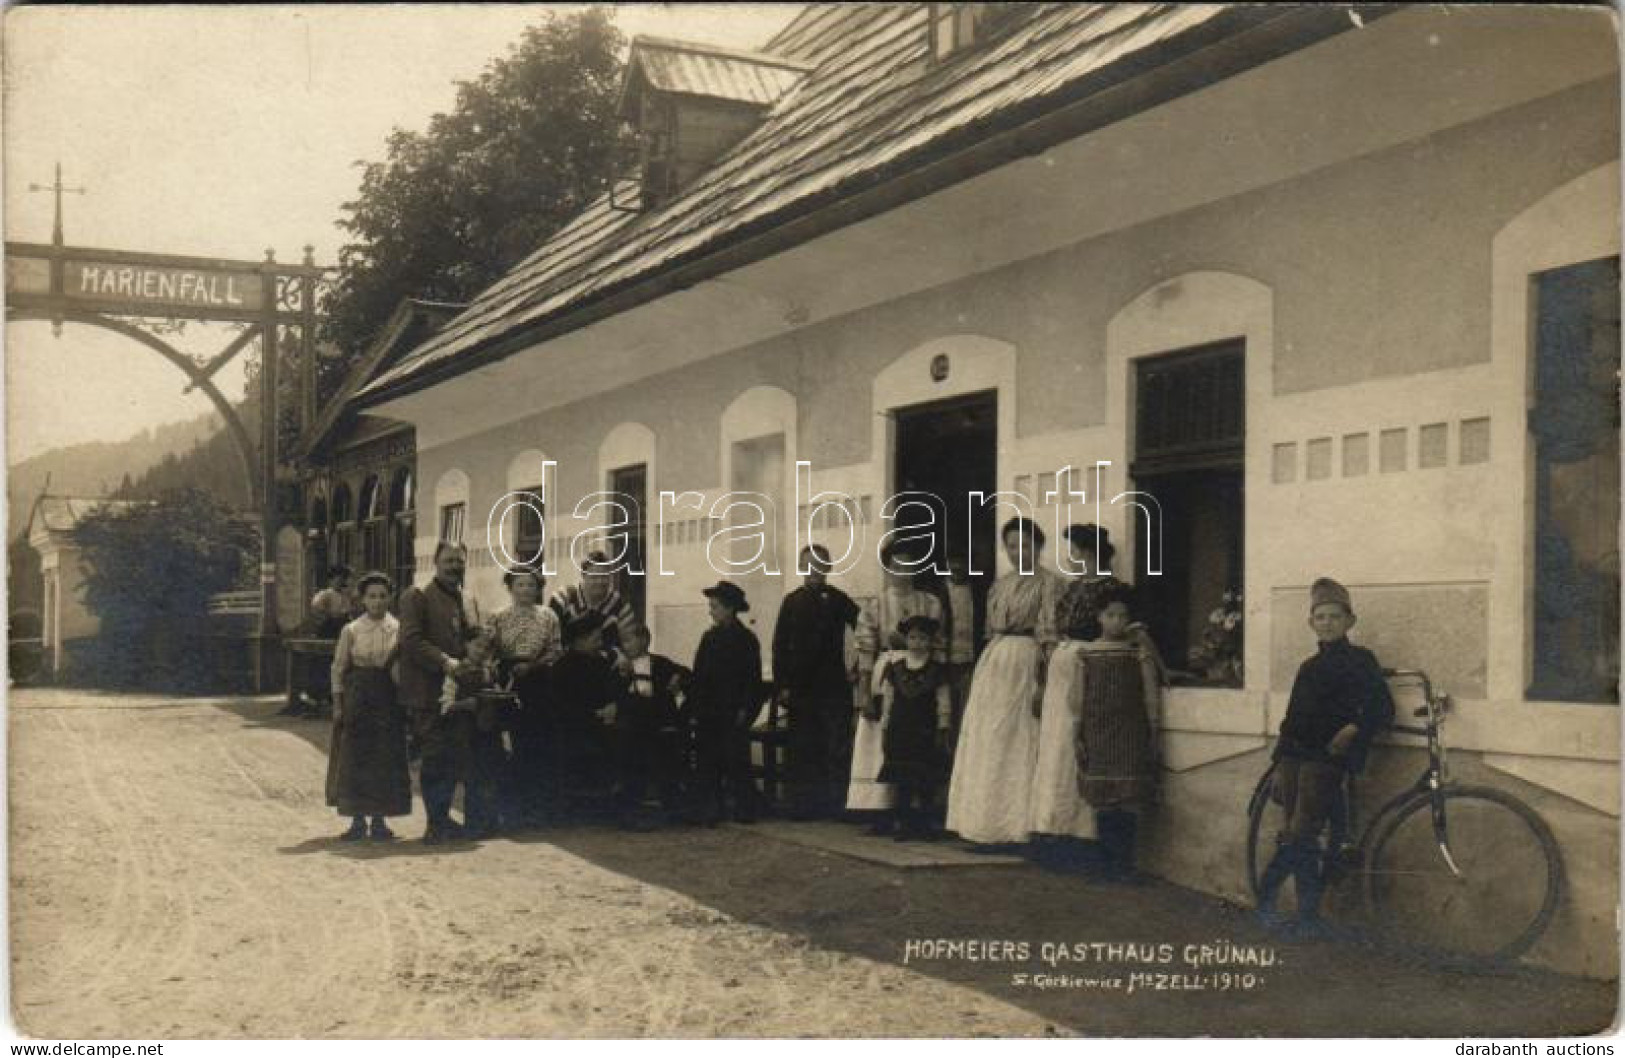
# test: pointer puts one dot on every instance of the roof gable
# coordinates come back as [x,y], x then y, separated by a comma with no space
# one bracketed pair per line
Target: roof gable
[702,70]
[62,514]
[413,321]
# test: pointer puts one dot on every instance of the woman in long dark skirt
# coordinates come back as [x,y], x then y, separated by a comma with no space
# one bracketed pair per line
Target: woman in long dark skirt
[367,771]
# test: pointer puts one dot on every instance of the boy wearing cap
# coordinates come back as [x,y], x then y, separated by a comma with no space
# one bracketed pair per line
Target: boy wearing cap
[1339,702]
[725,694]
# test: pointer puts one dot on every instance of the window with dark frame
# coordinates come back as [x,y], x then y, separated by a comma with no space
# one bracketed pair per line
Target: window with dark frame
[630,486]
[452,516]
[953,28]
[1574,425]
[403,519]
[374,551]
[1189,448]
[529,526]
[342,552]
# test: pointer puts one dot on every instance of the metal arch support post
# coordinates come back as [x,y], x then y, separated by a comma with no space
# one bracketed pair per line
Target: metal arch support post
[199,379]
[263,660]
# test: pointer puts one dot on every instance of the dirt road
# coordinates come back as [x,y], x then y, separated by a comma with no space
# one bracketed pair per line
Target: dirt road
[174,873]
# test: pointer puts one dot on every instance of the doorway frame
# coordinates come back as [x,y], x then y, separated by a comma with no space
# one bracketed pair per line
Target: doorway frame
[976,364]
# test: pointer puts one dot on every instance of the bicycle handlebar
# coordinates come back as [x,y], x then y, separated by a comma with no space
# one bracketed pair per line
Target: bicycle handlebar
[1434,705]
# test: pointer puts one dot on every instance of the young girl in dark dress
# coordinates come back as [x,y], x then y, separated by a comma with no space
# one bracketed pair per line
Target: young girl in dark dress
[367,767]
[1116,740]
[918,707]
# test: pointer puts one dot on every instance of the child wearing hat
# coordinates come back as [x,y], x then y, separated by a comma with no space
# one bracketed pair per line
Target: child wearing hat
[918,707]
[725,693]
[1339,702]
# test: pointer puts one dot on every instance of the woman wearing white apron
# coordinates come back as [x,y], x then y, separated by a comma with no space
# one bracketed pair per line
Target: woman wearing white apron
[1058,808]
[878,643]
[990,795]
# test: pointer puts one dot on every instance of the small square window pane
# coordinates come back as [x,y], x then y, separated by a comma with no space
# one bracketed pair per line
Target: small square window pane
[1475,441]
[1433,445]
[1391,451]
[1356,454]
[1285,467]
[1024,485]
[1046,488]
[1317,459]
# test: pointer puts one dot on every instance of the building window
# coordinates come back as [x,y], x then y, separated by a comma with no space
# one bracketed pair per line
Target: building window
[955,27]
[452,516]
[1574,424]
[374,550]
[402,518]
[630,485]
[530,532]
[1190,411]
[342,552]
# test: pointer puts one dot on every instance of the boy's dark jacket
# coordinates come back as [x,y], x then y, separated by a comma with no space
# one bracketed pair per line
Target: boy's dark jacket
[583,682]
[727,673]
[660,710]
[1341,684]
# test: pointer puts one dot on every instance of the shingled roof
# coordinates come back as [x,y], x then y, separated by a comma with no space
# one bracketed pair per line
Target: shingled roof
[690,69]
[873,107]
[62,514]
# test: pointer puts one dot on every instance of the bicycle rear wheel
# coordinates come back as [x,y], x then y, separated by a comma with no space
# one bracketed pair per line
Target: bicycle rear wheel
[1502,894]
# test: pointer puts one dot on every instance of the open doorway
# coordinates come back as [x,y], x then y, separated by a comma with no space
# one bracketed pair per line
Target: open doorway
[949,449]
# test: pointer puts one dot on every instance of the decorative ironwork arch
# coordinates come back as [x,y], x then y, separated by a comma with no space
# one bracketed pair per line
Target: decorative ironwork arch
[197,376]
[274,303]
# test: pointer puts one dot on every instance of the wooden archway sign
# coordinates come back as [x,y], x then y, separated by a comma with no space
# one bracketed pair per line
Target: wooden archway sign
[96,287]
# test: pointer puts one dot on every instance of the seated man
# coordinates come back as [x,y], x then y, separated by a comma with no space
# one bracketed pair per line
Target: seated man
[647,747]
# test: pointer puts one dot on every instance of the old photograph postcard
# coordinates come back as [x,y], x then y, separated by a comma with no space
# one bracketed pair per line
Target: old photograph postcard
[902,520]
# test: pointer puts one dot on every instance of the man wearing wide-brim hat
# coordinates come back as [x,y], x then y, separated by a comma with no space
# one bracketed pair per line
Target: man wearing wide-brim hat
[724,696]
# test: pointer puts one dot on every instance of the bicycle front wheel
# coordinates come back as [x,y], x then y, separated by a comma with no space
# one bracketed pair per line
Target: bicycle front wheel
[1482,880]
[1259,848]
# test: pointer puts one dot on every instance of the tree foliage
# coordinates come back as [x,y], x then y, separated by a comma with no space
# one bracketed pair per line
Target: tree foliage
[149,571]
[528,145]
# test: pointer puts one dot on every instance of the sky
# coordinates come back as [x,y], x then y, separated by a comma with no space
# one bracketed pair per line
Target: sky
[224,132]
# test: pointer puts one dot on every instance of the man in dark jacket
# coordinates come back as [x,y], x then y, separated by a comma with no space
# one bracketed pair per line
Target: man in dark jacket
[434,631]
[1340,700]
[724,695]
[814,687]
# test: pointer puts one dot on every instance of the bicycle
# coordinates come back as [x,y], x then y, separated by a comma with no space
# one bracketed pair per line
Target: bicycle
[1452,869]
